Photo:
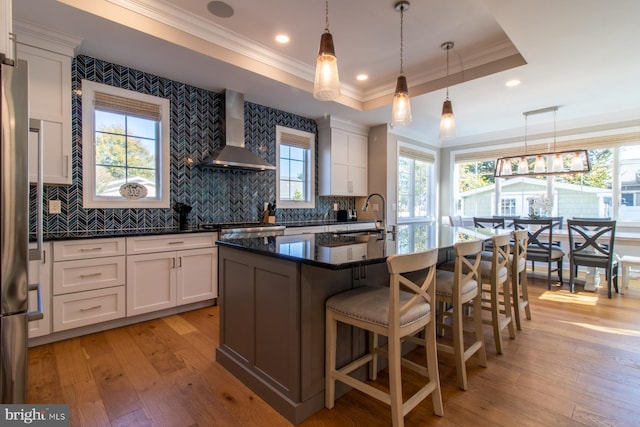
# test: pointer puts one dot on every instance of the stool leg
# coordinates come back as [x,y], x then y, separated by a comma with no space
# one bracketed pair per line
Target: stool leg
[431,353]
[395,381]
[330,356]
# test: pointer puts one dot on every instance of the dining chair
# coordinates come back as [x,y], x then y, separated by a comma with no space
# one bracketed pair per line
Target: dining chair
[456,221]
[453,291]
[491,222]
[541,247]
[518,274]
[496,296]
[591,245]
[403,309]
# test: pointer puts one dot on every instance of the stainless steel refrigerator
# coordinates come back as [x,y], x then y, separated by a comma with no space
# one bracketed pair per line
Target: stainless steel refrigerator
[14,232]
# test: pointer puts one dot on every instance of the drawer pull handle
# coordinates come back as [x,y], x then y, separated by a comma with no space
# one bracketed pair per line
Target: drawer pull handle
[91,308]
[90,249]
[177,242]
[90,275]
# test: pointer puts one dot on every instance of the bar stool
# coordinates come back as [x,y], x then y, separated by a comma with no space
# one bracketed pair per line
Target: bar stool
[455,289]
[396,314]
[494,275]
[518,273]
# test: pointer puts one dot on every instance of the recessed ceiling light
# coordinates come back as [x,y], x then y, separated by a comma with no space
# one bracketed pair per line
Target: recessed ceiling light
[362,77]
[513,83]
[282,38]
[220,9]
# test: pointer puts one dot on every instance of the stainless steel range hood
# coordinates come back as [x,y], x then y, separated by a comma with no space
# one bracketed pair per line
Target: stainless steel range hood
[233,154]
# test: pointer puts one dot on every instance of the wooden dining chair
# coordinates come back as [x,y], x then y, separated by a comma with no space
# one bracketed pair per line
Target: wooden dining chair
[518,274]
[591,245]
[453,291]
[496,295]
[541,247]
[403,309]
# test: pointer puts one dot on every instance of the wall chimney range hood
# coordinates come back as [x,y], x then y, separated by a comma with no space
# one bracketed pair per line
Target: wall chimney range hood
[232,154]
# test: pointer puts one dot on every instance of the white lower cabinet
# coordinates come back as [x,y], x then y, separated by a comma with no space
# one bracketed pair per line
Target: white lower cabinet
[88,282]
[165,277]
[86,308]
[40,274]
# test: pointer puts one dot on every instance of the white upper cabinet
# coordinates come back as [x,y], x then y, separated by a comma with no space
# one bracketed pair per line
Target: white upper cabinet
[343,149]
[49,57]
[6,28]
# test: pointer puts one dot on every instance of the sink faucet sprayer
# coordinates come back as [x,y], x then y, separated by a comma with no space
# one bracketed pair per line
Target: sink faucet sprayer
[384,211]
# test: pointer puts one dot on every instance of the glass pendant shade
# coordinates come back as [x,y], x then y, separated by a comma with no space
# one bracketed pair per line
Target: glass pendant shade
[523,166]
[577,164]
[557,163]
[326,86]
[447,122]
[540,165]
[401,110]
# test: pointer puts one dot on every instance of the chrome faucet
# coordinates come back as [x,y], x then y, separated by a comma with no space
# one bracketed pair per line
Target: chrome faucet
[384,212]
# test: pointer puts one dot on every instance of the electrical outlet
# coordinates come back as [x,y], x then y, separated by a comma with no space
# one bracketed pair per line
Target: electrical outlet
[54,207]
[375,207]
[335,206]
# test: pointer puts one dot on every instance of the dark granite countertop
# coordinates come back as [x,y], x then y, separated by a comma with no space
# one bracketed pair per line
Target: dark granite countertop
[344,250]
[101,234]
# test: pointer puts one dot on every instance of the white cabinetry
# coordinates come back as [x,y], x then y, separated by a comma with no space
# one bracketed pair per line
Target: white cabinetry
[6,28]
[343,156]
[50,102]
[40,273]
[88,282]
[165,271]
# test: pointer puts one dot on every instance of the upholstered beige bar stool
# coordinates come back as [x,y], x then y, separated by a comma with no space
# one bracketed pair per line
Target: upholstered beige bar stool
[496,296]
[518,273]
[403,309]
[453,291]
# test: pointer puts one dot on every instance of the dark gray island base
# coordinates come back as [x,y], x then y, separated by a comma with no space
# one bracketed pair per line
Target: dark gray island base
[272,320]
[272,293]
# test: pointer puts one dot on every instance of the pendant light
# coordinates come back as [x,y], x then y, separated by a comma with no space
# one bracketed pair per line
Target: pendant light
[326,86]
[447,120]
[550,163]
[401,110]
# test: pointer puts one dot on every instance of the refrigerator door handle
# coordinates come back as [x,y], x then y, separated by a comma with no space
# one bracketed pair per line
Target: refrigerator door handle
[35,125]
[39,314]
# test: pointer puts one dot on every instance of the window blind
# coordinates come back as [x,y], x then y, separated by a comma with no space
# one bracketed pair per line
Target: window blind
[596,142]
[417,154]
[118,104]
[292,139]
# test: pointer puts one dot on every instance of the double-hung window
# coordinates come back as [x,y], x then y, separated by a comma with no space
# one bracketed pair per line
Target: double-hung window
[416,200]
[125,148]
[295,153]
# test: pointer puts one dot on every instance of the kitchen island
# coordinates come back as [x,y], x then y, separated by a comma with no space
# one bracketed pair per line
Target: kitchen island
[272,313]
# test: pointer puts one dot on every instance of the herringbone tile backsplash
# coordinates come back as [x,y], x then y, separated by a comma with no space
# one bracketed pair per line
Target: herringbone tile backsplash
[216,195]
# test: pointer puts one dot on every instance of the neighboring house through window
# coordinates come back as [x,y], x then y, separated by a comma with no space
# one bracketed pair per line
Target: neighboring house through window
[615,176]
[295,153]
[125,147]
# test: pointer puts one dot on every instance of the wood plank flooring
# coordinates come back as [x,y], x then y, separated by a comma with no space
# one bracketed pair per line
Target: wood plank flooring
[576,363]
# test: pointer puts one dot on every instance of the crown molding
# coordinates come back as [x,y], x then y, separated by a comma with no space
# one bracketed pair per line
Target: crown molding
[42,37]
[190,23]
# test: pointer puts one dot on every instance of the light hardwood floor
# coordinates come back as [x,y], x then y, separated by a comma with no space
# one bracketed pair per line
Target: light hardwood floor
[576,363]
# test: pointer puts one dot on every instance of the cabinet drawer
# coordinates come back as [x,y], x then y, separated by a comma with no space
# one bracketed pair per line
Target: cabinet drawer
[85,275]
[86,308]
[89,248]
[173,242]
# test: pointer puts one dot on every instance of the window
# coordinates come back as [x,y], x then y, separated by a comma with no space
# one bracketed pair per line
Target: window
[415,185]
[295,154]
[614,176]
[508,207]
[125,141]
